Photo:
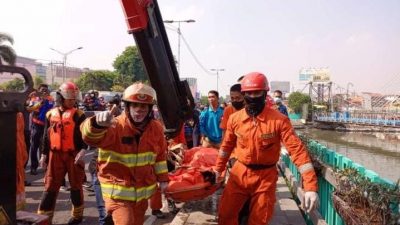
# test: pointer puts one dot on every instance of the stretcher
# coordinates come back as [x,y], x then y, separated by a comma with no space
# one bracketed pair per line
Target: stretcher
[193,180]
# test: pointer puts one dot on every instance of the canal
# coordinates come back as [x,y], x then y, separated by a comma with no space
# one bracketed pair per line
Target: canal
[379,152]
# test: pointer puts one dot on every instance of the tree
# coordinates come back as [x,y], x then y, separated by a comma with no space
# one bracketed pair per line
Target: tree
[296,100]
[37,80]
[7,53]
[117,88]
[101,80]
[16,84]
[129,64]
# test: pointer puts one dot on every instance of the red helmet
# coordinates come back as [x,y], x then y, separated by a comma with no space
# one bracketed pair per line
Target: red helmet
[254,81]
[141,93]
[69,90]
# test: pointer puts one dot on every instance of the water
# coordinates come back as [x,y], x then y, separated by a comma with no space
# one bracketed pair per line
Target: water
[379,152]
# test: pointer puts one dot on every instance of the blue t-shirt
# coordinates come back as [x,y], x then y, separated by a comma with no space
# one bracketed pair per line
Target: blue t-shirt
[209,124]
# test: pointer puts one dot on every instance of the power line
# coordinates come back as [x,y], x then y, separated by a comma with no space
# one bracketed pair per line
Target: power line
[195,57]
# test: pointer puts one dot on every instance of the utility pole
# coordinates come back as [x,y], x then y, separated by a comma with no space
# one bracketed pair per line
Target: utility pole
[347,95]
[217,73]
[179,37]
[65,54]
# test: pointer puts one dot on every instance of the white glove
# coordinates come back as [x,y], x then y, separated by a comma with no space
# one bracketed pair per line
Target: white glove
[104,119]
[163,186]
[310,201]
[42,161]
[80,158]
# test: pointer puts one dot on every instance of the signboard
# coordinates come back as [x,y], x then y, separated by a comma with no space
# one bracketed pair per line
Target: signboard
[314,75]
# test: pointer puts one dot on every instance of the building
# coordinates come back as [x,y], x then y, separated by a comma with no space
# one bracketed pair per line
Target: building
[50,72]
[54,73]
[193,87]
[283,86]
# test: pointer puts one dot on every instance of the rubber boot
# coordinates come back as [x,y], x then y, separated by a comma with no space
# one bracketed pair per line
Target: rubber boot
[49,214]
[76,215]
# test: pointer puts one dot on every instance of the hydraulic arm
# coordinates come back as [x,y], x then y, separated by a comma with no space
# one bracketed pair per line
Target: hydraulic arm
[174,98]
[10,104]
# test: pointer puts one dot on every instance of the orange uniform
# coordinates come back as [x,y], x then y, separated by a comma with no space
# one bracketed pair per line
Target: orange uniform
[61,160]
[228,111]
[130,165]
[22,156]
[257,143]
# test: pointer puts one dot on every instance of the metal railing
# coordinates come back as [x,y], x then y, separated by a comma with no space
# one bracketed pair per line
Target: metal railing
[363,118]
[327,182]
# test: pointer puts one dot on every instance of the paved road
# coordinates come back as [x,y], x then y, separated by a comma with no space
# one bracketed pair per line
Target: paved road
[63,205]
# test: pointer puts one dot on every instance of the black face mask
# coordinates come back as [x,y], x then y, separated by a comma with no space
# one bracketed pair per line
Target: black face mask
[254,106]
[238,105]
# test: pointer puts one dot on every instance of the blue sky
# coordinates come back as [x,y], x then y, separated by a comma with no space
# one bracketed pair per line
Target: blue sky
[358,40]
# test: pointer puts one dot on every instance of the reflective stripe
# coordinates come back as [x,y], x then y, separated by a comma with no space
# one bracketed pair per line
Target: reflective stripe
[91,135]
[161,167]
[306,167]
[222,153]
[116,191]
[128,160]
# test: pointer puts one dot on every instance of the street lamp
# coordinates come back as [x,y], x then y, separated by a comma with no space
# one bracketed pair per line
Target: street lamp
[179,37]
[65,54]
[217,73]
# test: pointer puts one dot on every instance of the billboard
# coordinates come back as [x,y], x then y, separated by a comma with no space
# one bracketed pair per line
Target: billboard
[283,86]
[314,75]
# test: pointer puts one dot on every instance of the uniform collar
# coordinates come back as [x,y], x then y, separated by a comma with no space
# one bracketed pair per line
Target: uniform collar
[259,117]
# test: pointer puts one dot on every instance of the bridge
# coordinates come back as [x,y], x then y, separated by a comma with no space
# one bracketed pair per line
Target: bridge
[368,118]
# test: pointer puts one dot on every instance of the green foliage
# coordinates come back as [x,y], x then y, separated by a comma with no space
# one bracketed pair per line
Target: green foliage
[37,80]
[374,203]
[296,100]
[129,64]
[377,201]
[54,86]
[101,80]
[16,84]
[204,100]
[117,88]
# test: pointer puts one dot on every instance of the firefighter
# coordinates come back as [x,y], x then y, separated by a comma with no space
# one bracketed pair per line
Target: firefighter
[132,155]
[22,157]
[257,132]
[63,152]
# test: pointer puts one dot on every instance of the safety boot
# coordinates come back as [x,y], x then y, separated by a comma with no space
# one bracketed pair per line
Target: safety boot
[76,215]
[49,214]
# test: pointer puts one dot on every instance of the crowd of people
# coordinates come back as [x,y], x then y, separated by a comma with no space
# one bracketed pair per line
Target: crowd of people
[129,169]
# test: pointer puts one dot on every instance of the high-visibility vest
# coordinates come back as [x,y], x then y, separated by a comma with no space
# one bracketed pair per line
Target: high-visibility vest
[61,130]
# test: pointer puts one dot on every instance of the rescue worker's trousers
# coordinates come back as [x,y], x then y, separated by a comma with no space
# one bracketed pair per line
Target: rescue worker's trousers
[126,212]
[243,184]
[61,163]
[156,200]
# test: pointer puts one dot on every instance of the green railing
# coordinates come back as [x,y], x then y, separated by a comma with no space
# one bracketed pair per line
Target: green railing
[327,183]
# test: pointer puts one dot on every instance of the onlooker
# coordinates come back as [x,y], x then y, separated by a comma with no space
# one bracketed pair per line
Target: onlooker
[279,104]
[210,118]
[104,217]
[39,104]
